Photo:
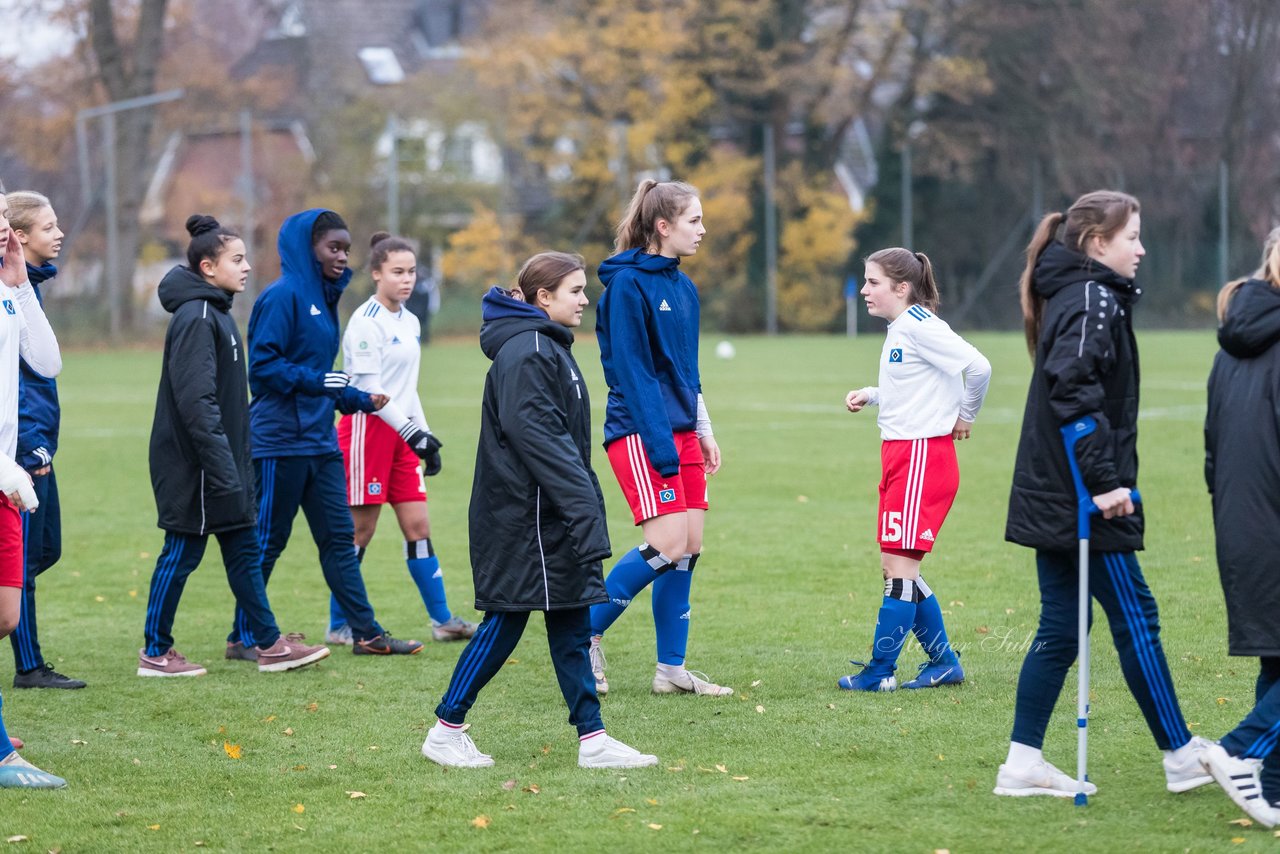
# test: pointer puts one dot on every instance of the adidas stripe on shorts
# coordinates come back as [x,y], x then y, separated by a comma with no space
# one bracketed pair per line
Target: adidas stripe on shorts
[381,468]
[920,480]
[648,493]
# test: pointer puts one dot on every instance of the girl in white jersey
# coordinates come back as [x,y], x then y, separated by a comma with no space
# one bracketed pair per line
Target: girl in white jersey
[23,331]
[932,383]
[382,350]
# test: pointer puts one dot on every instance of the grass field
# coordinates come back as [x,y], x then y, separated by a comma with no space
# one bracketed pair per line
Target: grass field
[787,591]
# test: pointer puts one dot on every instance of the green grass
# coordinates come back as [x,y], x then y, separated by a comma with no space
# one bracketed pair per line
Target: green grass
[786,592]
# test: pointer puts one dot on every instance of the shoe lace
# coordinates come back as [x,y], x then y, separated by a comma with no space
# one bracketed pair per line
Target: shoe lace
[295,637]
[702,682]
[596,654]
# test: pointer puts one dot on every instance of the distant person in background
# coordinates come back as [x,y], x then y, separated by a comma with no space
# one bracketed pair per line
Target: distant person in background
[25,331]
[201,472]
[1242,468]
[383,450]
[293,340]
[537,519]
[1078,296]
[424,301]
[35,225]
[931,385]
[657,431]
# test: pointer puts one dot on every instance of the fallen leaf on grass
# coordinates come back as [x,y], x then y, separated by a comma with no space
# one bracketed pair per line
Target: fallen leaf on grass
[153,827]
[653,802]
[742,779]
[16,839]
[268,719]
[755,684]
[546,749]
[1242,822]
[942,851]
[333,767]
[99,598]
[481,821]
[373,747]
[513,661]
[1236,840]
[675,767]
[354,795]
[509,785]
[655,827]
[722,769]
[232,750]
[313,707]
[288,730]
[222,730]
[78,741]
[1222,701]
[133,594]
[621,810]
[299,809]
[299,768]
[982,630]
[532,789]
[137,762]
[760,709]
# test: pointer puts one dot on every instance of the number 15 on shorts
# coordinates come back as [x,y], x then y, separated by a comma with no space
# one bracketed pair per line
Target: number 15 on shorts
[891,526]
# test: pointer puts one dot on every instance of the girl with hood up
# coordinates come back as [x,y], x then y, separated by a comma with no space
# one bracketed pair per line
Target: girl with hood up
[293,340]
[1078,297]
[200,468]
[1242,468]
[537,519]
[656,431]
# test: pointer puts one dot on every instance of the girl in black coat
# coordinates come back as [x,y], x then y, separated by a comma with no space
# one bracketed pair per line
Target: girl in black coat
[201,471]
[538,531]
[1242,468]
[1077,300]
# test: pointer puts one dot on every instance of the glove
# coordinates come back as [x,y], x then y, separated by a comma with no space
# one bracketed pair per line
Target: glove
[421,442]
[336,380]
[14,479]
[431,464]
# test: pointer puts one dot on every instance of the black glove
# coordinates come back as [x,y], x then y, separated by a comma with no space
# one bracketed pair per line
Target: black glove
[420,442]
[431,464]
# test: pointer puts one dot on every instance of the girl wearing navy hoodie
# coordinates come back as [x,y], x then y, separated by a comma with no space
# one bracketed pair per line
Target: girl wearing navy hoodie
[200,468]
[656,429]
[538,529]
[293,340]
[35,225]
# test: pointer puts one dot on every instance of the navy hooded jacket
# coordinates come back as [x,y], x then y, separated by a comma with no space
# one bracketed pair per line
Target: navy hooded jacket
[293,340]
[38,411]
[537,519]
[647,325]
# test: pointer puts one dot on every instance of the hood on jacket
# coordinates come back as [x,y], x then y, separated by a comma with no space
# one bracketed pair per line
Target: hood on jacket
[1060,267]
[504,317]
[1252,324]
[180,285]
[635,259]
[298,259]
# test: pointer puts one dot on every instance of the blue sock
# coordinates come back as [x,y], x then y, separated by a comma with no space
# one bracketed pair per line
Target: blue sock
[634,572]
[337,619]
[671,611]
[893,623]
[424,566]
[6,746]
[929,628]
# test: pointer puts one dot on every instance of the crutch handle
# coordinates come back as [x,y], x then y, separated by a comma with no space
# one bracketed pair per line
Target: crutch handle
[1071,434]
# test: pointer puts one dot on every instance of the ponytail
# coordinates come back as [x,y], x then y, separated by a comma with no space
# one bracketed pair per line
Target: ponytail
[1033,303]
[926,293]
[638,228]
[914,268]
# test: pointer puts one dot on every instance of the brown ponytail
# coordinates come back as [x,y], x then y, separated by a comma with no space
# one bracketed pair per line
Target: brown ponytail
[652,201]
[1033,303]
[914,268]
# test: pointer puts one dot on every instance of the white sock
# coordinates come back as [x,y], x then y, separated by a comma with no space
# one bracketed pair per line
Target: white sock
[445,726]
[672,671]
[1023,755]
[1183,753]
[591,742]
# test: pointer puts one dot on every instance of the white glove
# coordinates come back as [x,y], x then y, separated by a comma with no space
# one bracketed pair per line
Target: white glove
[14,479]
[336,380]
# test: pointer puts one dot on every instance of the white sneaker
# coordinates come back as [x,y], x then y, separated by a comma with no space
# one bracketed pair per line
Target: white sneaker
[597,665]
[1190,773]
[454,748]
[1239,779]
[688,682]
[603,751]
[1040,779]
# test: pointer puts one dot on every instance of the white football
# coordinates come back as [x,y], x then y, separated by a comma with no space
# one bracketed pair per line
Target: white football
[725,350]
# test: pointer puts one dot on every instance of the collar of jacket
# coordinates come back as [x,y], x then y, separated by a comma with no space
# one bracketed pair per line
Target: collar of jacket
[1060,267]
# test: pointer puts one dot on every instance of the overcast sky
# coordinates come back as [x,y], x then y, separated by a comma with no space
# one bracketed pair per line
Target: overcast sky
[29,39]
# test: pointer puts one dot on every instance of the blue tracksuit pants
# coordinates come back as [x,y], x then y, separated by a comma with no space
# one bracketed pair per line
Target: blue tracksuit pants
[41,548]
[1116,582]
[1257,735]
[568,636]
[318,485]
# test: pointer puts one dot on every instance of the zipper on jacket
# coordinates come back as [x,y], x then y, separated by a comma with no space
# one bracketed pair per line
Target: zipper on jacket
[202,519]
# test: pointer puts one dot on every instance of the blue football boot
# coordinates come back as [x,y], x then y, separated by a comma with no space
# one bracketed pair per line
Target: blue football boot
[873,677]
[18,773]
[936,674]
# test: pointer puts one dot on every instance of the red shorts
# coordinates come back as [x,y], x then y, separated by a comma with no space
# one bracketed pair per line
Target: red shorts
[381,468]
[10,544]
[648,493]
[920,481]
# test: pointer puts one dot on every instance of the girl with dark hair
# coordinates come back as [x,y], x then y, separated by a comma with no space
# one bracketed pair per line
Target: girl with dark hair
[35,225]
[538,530]
[293,339]
[656,430]
[25,332]
[1242,468]
[932,384]
[1078,296]
[382,351]
[200,468]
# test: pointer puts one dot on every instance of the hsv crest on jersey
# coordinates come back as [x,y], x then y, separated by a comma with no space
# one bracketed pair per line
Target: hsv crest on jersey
[375,488]
[8,306]
[895,355]
[661,306]
[666,496]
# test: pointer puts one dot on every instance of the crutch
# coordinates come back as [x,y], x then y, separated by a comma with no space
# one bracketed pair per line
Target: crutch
[1071,434]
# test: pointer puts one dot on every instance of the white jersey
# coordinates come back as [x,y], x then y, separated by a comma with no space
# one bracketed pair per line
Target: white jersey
[929,376]
[381,350]
[25,331]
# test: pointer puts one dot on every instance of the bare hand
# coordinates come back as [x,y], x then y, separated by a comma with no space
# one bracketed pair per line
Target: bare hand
[710,454]
[1114,503]
[43,470]
[379,401]
[15,498]
[14,271]
[856,399]
[962,429]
